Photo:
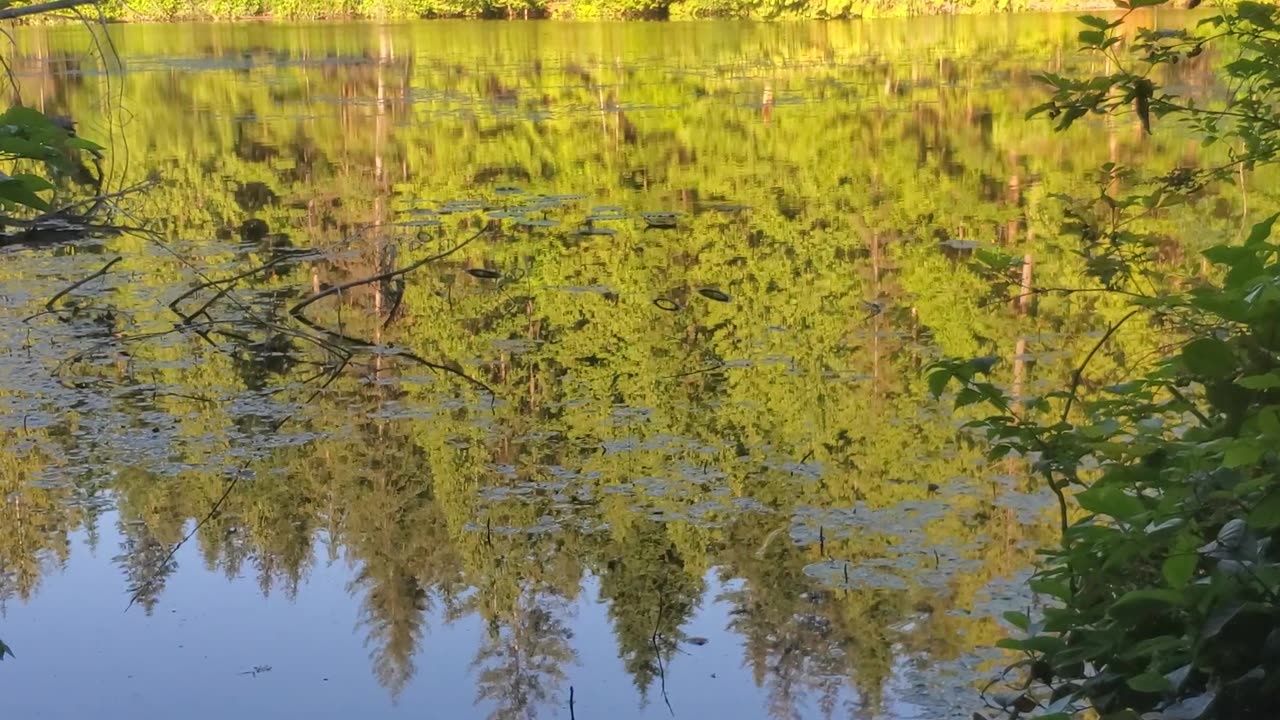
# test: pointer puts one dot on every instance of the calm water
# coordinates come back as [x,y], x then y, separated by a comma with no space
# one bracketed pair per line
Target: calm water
[687,471]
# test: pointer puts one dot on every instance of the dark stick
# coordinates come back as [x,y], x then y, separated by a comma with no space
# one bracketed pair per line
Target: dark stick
[1078,375]
[399,352]
[235,480]
[103,271]
[173,305]
[571,717]
[297,309]
[657,652]
[11,13]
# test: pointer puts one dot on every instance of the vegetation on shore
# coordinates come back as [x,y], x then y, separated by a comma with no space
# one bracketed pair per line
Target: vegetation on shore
[150,10]
[1163,598]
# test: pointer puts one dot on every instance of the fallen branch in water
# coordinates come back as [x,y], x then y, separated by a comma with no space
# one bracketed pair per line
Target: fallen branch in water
[493,396]
[146,585]
[229,282]
[61,293]
[297,309]
[657,653]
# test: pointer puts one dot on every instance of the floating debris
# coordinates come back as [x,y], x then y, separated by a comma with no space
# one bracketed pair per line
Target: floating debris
[603,213]
[588,230]
[714,294]
[728,208]
[660,220]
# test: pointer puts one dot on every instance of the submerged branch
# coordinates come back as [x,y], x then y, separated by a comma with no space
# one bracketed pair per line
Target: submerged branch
[61,293]
[297,309]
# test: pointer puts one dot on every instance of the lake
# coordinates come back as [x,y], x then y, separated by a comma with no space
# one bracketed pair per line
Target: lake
[556,370]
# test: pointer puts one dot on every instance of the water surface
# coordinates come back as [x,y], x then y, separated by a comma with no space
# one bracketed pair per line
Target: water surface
[650,438]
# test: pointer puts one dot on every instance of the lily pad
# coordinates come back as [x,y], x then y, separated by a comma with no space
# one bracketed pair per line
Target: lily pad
[484,273]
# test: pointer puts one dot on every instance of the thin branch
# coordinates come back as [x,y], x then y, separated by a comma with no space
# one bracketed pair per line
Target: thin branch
[657,651]
[173,304]
[102,271]
[11,13]
[1078,375]
[493,396]
[217,505]
[297,309]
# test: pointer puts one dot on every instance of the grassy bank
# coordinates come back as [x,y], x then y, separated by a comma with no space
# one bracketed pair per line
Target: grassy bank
[126,10]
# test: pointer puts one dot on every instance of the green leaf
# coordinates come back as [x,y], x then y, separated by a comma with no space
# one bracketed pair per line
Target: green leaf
[1092,38]
[1110,500]
[1052,588]
[1018,619]
[1149,682]
[1154,646]
[1096,22]
[16,191]
[938,380]
[35,183]
[1266,514]
[1261,231]
[1242,453]
[1236,612]
[82,144]
[1269,421]
[1209,357]
[1012,644]
[1260,382]
[1141,604]
[1179,567]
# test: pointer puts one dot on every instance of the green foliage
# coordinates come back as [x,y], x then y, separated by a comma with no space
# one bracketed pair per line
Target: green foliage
[27,136]
[1164,595]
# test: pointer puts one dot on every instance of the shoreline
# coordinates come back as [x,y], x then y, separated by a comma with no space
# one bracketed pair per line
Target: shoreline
[678,11]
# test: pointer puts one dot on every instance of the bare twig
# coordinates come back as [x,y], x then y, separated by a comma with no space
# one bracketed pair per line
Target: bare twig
[102,271]
[399,352]
[1078,375]
[12,12]
[173,304]
[231,485]
[297,309]
[657,652]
